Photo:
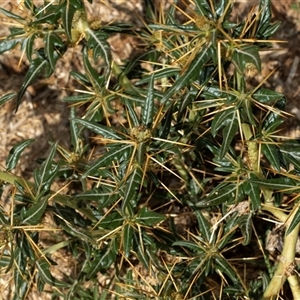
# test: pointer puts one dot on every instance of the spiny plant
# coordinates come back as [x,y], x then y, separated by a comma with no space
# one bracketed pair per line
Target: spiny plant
[169,200]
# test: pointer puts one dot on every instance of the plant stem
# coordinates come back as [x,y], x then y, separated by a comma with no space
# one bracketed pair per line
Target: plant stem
[286,265]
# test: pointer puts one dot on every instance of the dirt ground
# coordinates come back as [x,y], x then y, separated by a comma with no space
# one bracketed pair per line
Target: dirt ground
[44,117]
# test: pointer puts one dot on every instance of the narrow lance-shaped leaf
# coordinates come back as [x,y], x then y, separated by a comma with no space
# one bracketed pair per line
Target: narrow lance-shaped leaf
[295,222]
[272,154]
[245,224]
[191,74]
[67,17]
[14,154]
[203,225]
[52,43]
[78,233]
[253,191]
[286,184]
[6,98]
[108,158]
[11,15]
[46,276]
[264,15]
[222,119]
[267,96]
[149,218]
[9,44]
[44,175]
[36,67]
[128,232]
[132,186]
[225,268]
[165,127]
[103,260]
[97,41]
[249,111]
[90,71]
[75,132]
[21,284]
[228,134]
[28,45]
[133,116]
[246,58]
[148,109]
[35,213]
[100,129]
[227,194]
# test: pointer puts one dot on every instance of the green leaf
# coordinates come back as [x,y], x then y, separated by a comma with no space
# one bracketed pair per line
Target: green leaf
[67,17]
[228,134]
[149,218]
[203,8]
[203,225]
[286,184]
[36,212]
[109,157]
[20,278]
[45,175]
[127,239]
[9,43]
[46,276]
[29,43]
[222,119]
[249,111]
[186,244]
[227,119]
[294,222]
[103,198]
[104,131]
[272,154]
[267,96]
[142,251]
[76,232]
[53,48]
[227,194]
[111,221]
[11,15]
[97,41]
[246,56]
[74,130]
[291,151]
[160,74]
[264,16]
[91,73]
[102,261]
[164,129]
[133,116]
[271,29]
[245,224]
[148,108]
[225,268]
[79,98]
[6,98]
[253,191]
[35,69]
[14,154]
[191,74]
[131,188]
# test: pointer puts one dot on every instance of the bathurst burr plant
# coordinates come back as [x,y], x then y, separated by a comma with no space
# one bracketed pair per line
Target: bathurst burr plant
[185,171]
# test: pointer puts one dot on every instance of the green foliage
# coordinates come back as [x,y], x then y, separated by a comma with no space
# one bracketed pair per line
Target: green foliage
[197,145]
